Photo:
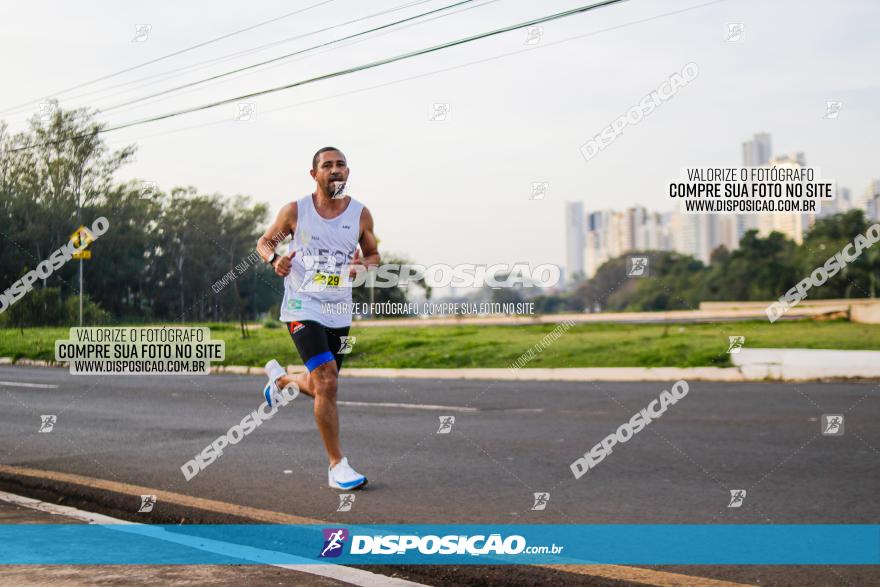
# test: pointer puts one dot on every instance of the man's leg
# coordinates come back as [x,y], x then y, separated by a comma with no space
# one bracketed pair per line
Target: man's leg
[309,338]
[321,385]
[301,380]
[317,346]
[325,382]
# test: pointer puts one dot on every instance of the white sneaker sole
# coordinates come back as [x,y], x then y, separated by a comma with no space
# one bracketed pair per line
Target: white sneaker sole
[360,485]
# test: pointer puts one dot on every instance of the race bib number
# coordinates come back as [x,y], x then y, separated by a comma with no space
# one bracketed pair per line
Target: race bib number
[321,274]
[326,279]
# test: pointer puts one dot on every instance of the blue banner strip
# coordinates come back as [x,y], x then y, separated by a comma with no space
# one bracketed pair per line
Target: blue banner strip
[669,544]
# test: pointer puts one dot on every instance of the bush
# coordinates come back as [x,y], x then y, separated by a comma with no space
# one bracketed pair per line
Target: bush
[271,323]
[93,314]
[39,307]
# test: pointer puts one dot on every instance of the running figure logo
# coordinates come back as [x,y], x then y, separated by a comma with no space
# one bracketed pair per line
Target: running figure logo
[346,344]
[736,343]
[247,111]
[539,190]
[334,538]
[832,109]
[832,424]
[541,499]
[637,266]
[141,32]
[147,503]
[149,189]
[439,112]
[735,31]
[46,109]
[446,423]
[346,500]
[533,35]
[737,496]
[340,190]
[47,423]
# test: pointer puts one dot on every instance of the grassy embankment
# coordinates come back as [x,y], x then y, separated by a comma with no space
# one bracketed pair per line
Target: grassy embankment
[583,345]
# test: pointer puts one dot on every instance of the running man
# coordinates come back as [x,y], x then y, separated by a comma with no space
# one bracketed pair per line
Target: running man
[327,228]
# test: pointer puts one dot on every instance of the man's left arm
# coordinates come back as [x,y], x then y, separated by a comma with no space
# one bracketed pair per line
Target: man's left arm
[369,246]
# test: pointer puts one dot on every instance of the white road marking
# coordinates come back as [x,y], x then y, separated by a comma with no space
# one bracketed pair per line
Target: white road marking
[58,510]
[19,384]
[409,406]
[337,572]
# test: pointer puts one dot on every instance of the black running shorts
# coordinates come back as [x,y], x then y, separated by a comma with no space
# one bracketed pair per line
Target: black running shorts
[318,344]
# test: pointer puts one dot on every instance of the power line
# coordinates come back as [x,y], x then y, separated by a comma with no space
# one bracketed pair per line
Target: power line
[543,45]
[347,44]
[176,53]
[283,57]
[339,73]
[177,71]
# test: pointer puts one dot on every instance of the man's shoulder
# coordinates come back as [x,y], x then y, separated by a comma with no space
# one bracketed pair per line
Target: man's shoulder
[365,215]
[357,203]
[291,209]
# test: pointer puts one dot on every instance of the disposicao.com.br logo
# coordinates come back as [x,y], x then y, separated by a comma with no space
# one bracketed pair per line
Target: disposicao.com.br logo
[334,539]
[412,544]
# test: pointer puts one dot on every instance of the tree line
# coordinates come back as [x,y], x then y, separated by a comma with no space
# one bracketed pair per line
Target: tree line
[161,258]
[761,269]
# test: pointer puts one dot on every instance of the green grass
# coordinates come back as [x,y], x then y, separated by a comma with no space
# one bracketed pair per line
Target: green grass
[583,345]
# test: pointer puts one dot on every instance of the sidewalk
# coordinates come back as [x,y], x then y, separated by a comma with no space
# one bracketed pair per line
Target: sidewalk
[749,365]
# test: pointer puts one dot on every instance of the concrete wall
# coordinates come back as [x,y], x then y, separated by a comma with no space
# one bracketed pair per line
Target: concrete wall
[805,364]
[864,310]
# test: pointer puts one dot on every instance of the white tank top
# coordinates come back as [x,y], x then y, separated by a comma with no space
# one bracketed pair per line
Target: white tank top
[323,246]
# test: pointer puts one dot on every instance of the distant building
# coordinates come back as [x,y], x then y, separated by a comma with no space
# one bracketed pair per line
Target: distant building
[793,225]
[758,150]
[694,234]
[601,239]
[574,240]
[794,158]
[870,200]
[612,233]
[842,202]
[700,234]
[755,152]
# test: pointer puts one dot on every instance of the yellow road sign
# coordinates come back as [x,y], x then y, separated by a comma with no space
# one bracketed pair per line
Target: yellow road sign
[82,238]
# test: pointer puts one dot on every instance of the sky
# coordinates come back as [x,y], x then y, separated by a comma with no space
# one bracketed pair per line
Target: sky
[458,190]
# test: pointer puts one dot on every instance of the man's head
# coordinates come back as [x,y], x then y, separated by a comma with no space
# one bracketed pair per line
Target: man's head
[329,169]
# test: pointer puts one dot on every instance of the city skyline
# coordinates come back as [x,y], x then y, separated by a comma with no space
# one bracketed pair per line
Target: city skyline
[609,233]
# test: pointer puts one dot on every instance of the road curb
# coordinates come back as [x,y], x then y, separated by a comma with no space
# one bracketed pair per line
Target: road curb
[561,374]
[753,365]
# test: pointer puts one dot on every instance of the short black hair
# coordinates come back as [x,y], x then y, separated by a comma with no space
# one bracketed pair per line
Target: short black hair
[323,150]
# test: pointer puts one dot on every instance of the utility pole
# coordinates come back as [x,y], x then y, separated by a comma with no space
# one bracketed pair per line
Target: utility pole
[78,224]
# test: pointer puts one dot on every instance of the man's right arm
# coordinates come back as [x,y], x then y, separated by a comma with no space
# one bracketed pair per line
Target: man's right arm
[284,225]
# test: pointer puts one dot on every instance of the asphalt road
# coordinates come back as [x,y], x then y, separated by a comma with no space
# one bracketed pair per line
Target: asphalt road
[509,440]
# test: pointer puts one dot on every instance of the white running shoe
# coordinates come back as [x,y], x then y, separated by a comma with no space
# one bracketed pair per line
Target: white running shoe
[342,476]
[271,392]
